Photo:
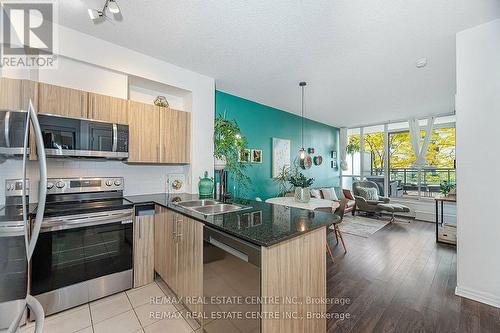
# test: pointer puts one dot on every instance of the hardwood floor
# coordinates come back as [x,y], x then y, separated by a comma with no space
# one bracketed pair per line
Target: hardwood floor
[400,280]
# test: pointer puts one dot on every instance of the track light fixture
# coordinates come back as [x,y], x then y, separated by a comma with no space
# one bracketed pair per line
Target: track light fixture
[110,5]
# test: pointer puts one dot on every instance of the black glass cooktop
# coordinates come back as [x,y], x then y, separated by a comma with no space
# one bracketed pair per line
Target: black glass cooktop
[86,206]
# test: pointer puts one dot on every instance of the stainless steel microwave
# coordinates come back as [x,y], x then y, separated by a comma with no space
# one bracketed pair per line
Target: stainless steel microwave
[12,128]
[75,137]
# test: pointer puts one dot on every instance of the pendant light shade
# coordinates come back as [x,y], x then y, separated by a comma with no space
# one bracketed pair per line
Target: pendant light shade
[302,150]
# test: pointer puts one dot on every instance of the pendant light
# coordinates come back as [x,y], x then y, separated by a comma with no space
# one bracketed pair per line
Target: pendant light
[302,150]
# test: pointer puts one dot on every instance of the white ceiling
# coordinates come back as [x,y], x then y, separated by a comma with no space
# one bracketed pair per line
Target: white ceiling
[357,56]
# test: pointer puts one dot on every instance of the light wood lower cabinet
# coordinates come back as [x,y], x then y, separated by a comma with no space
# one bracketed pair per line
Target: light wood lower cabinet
[296,269]
[144,250]
[166,246]
[179,255]
[190,259]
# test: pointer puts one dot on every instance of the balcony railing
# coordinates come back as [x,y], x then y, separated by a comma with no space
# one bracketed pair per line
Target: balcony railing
[431,179]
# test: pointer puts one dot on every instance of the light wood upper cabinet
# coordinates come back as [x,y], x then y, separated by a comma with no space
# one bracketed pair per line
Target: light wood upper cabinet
[16,94]
[62,101]
[175,136]
[144,250]
[144,133]
[107,108]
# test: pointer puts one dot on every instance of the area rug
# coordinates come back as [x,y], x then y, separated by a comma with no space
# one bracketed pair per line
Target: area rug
[361,226]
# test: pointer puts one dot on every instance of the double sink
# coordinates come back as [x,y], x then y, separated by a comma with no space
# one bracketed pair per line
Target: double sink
[210,207]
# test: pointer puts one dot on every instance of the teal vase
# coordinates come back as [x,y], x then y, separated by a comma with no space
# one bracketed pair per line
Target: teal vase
[206,186]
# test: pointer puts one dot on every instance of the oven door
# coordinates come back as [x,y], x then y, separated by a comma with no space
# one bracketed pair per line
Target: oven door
[13,272]
[74,249]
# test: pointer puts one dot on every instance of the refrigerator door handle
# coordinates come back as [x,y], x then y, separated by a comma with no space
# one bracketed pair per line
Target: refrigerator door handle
[37,311]
[42,188]
[30,301]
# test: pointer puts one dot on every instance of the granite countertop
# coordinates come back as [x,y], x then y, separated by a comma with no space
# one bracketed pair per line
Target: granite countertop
[263,224]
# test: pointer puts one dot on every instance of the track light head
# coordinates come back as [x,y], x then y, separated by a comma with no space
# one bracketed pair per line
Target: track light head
[95,14]
[113,7]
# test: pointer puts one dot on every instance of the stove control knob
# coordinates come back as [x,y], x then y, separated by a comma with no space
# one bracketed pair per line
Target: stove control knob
[10,187]
[50,185]
[118,182]
[109,182]
[60,184]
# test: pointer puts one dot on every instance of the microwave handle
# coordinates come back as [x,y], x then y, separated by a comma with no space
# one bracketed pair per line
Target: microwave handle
[7,129]
[115,138]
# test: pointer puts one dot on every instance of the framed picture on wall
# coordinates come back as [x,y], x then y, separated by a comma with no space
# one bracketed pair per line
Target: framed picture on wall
[334,155]
[281,155]
[334,164]
[256,156]
[245,156]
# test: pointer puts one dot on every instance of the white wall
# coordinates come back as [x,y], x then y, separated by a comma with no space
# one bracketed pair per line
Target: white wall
[94,65]
[478,161]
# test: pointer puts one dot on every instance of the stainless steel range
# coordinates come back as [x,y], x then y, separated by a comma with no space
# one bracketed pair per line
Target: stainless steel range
[84,250]
[13,261]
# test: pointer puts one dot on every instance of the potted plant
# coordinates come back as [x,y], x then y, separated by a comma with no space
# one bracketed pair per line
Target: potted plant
[446,187]
[228,143]
[301,185]
[283,180]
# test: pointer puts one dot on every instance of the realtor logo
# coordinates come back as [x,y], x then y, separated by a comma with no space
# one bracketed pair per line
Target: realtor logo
[28,34]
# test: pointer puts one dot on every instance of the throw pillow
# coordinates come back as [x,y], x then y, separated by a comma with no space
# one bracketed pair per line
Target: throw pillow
[315,194]
[329,194]
[368,193]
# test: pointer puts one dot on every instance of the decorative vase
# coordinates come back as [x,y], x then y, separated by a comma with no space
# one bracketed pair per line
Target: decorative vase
[220,163]
[302,194]
[206,186]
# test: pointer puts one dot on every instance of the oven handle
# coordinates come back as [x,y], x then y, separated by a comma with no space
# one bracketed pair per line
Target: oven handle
[63,223]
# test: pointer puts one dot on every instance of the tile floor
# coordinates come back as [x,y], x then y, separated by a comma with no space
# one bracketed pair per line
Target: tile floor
[126,312]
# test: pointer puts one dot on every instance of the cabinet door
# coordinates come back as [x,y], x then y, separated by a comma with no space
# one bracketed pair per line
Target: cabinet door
[190,259]
[62,101]
[11,94]
[175,140]
[144,133]
[15,94]
[144,250]
[166,247]
[107,108]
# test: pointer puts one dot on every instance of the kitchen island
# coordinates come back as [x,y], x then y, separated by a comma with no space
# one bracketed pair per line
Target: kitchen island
[291,264]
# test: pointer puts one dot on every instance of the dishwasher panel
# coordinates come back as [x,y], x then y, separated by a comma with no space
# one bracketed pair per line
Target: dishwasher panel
[231,283]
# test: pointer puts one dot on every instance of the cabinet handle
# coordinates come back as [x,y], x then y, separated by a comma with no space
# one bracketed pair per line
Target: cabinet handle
[177,223]
[139,225]
[174,233]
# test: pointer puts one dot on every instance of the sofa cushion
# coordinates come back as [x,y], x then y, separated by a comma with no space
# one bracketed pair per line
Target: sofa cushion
[315,193]
[369,193]
[329,193]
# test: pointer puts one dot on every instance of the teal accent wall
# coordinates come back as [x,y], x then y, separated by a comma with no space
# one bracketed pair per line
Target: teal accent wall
[259,124]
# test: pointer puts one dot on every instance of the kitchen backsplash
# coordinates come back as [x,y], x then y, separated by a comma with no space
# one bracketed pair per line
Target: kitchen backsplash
[139,179]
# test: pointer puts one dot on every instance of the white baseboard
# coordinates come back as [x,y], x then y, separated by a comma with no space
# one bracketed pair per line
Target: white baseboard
[479,296]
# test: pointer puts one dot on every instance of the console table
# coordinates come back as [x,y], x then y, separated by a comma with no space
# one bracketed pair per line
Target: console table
[440,200]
